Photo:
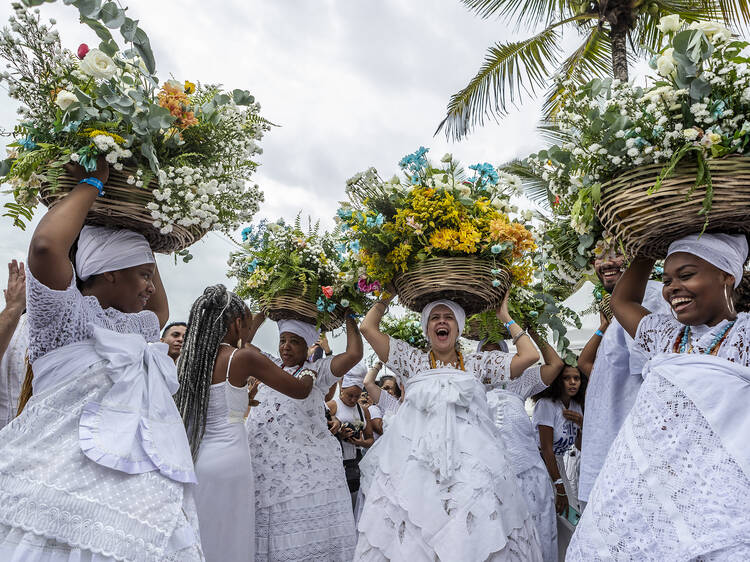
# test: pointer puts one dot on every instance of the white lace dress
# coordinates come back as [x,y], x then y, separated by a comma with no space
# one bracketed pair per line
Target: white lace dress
[676,482]
[303,510]
[438,484]
[56,503]
[507,408]
[225,495]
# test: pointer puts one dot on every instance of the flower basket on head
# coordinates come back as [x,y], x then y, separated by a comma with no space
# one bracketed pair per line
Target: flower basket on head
[647,224]
[126,206]
[180,155]
[297,274]
[440,233]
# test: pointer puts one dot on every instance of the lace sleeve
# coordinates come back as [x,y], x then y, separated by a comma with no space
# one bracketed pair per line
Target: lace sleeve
[737,346]
[404,360]
[529,383]
[490,367]
[387,402]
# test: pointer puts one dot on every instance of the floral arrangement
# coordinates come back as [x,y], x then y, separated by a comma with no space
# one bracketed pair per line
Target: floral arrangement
[278,257]
[406,328]
[435,211]
[198,142]
[696,106]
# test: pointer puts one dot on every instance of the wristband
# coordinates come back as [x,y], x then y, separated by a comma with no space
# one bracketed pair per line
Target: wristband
[599,333]
[519,336]
[557,482]
[508,324]
[94,183]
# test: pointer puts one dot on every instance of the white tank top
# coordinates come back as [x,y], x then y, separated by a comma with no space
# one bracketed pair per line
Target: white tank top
[348,414]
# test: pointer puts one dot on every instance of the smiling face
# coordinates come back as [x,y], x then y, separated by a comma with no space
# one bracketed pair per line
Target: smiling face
[442,328]
[609,269]
[292,349]
[174,338]
[571,380]
[128,290]
[696,290]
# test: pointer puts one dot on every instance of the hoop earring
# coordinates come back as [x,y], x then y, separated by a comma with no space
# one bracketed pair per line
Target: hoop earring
[730,301]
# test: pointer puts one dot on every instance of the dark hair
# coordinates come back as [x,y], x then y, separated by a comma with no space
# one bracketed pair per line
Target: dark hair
[209,321]
[171,325]
[742,294]
[556,390]
[395,382]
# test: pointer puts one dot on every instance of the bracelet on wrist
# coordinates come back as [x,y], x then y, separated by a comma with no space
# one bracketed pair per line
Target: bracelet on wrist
[599,333]
[94,182]
[558,482]
[518,336]
[508,324]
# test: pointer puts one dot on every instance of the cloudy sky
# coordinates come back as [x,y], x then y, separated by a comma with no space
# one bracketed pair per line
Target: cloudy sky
[351,84]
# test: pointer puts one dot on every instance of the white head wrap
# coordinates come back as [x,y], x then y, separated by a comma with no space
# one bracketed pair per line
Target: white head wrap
[727,252]
[306,331]
[458,312]
[355,377]
[102,249]
[502,343]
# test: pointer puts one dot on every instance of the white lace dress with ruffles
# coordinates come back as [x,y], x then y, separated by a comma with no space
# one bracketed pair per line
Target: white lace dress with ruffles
[438,484]
[56,503]
[303,510]
[507,408]
[676,483]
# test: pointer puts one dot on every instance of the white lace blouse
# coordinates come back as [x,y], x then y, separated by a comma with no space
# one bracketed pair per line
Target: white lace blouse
[59,318]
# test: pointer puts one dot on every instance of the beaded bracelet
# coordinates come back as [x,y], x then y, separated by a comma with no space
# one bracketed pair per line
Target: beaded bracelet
[94,183]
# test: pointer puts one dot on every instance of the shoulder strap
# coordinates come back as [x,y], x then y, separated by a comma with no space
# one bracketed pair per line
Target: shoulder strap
[359,411]
[229,364]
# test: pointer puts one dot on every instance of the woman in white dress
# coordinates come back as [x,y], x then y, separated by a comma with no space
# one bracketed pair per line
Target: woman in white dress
[507,409]
[438,484]
[95,467]
[212,400]
[676,483]
[303,511]
[557,420]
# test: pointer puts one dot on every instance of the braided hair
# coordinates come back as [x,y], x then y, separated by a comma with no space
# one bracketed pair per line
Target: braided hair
[210,317]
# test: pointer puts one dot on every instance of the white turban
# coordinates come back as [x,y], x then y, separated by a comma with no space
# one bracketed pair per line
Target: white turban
[502,343]
[458,312]
[102,249]
[306,331]
[355,377]
[728,252]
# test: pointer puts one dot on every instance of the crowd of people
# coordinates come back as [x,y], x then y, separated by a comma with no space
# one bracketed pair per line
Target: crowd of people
[125,437]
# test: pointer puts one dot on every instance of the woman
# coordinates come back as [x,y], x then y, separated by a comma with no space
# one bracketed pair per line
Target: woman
[676,482]
[507,409]
[438,485]
[303,510]
[212,399]
[356,430]
[558,419]
[95,467]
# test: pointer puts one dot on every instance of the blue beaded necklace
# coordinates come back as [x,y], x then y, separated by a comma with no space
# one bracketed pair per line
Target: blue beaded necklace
[717,341]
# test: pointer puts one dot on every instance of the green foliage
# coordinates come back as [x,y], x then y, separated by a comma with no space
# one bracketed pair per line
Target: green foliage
[406,328]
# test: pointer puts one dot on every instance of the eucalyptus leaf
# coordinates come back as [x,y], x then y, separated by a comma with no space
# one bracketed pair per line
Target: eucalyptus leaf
[128,29]
[242,97]
[699,89]
[111,15]
[88,8]
[143,45]
[109,48]
[101,31]
[5,167]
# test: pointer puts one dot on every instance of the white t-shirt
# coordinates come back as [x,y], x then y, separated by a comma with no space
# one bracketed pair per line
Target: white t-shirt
[375,413]
[550,413]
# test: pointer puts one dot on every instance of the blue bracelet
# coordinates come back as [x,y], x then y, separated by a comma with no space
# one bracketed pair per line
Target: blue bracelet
[508,324]
[95,183]
[599,333]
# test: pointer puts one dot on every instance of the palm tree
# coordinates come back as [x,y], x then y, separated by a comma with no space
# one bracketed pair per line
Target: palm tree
[514,68]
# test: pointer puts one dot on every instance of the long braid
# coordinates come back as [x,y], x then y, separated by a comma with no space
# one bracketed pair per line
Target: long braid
[209,320]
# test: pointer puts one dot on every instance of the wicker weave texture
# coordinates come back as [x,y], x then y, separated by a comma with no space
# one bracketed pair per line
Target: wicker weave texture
[465,280]
[292,305]
[647,224]
[605,308]
[124,206]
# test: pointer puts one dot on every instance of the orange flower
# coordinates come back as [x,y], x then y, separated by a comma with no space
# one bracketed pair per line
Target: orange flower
[502,230]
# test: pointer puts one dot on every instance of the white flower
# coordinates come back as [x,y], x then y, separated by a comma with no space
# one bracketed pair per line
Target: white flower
[712,28]
[669,24]
[75,157]
[665,64]
[111,157]
[179,86]
[98,65]
[690,134]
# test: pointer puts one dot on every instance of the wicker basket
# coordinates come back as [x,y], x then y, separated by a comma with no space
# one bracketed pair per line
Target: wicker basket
[124,206]
[465,280]
[647,224]
[605,308]
[292,305]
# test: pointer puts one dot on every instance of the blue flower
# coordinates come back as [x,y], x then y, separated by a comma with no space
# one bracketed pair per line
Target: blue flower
[354,246]
[344,303]
[533,313]
[252,266]
[415,162]
[71,127]
[321,304]
[496,249]
[379,220]
[28,143]
[344,213]
[495,282]
[332,307]
[246,232]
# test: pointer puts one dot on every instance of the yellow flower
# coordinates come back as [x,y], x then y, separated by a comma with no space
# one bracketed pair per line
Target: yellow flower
[189,87]
[91,133]
[463,240]
[399,256]
[502,230]
[522,274]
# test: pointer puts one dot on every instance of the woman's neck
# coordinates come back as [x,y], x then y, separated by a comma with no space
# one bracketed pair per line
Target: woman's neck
[445,356]
[718,319]
[566,401]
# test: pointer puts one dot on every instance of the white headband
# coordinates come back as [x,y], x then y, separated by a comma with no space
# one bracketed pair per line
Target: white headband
[458,312]
[728,252]
[102,249]
[306,331]
[355,377]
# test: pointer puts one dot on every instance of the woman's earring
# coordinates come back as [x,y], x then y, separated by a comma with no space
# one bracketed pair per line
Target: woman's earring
[730,301]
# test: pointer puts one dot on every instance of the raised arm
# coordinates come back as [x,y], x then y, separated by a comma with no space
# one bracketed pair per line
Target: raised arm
[588,353]
[628,294]
[370,326]
[49,259]
[15,304]
[372,388]
[553,363]
[158,302]
[526,354]
[345,362]
[247,361]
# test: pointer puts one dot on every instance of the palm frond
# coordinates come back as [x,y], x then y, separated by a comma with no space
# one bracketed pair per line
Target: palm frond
[736,13]
[530,13]
[646,36]
[534,187]
[552,134]
[591,59]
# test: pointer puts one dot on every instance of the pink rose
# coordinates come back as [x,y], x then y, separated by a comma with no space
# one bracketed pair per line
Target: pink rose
[327,291]
[83,49]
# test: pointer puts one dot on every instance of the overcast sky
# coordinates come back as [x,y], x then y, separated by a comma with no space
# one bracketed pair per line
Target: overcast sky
[352,84]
